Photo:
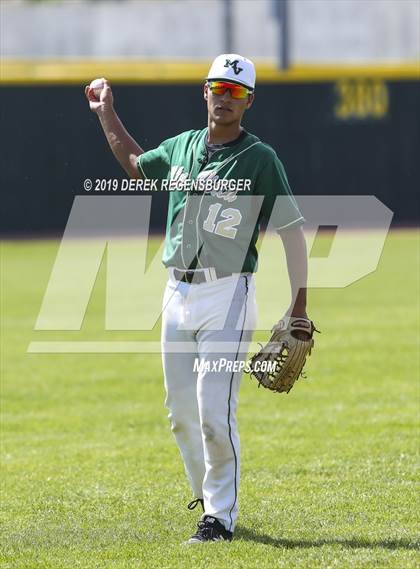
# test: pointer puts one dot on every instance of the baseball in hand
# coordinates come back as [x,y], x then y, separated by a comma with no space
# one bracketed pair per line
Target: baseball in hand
[96,86]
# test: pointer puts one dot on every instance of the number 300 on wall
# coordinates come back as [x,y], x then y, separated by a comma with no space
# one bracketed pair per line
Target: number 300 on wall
[361,99]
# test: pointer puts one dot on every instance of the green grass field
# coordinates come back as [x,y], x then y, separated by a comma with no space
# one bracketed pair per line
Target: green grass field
[91,476]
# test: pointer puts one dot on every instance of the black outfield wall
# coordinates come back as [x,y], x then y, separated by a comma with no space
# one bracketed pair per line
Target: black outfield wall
[348,137]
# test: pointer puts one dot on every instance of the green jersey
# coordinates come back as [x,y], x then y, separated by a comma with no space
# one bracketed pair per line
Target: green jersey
[218,199]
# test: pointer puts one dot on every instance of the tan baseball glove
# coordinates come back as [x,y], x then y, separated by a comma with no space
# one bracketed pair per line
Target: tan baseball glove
[279,364]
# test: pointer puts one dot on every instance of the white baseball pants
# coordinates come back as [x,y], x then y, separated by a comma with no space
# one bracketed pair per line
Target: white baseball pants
[210,317]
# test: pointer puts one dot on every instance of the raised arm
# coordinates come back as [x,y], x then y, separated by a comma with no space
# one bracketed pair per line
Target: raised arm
[124,147]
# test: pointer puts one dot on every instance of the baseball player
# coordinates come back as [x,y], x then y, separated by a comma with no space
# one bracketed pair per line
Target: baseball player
[210,251]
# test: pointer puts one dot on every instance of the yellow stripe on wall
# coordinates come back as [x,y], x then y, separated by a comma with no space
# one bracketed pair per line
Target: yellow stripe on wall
[69,71]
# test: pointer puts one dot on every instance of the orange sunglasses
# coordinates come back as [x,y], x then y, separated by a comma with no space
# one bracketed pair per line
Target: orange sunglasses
[236,91]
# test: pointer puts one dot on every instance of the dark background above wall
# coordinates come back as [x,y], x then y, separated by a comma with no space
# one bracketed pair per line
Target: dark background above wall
[329,142]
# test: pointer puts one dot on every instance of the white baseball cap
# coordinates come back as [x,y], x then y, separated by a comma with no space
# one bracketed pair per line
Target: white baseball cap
[233,68]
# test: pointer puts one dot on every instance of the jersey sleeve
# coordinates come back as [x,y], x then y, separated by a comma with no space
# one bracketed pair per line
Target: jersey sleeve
[156,164]
[273,183]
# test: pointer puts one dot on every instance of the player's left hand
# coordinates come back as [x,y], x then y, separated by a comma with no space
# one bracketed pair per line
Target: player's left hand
[296,312]
[287,350]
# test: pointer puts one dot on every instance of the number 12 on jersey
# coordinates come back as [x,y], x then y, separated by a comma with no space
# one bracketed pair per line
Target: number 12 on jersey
[225,227]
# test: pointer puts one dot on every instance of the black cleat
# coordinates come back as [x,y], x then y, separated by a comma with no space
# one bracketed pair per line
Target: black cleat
[210,529]
[194,503]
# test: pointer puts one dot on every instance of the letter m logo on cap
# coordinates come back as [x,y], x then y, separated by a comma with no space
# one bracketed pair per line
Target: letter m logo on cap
[234,65]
